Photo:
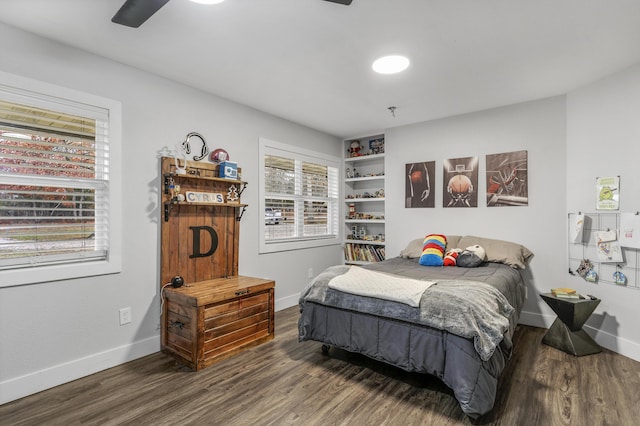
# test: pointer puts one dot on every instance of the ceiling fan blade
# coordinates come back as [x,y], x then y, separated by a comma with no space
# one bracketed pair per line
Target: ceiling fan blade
[345,2]
[134,13]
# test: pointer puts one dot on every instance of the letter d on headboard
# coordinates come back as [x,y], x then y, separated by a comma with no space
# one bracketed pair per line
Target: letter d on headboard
[196,230]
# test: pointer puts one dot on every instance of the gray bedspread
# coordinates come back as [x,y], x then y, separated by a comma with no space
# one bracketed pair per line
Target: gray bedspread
[471,309]
[454,334]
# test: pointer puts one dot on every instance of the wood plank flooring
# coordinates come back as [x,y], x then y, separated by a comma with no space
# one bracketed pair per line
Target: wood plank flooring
[284,382]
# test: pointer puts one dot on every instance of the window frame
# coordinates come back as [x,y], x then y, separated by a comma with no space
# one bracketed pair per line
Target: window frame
[270,147]
[45,95]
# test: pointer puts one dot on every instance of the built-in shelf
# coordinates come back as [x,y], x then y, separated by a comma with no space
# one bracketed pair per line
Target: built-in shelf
[374,243]
[356,262]
[364,178]
[364,175]
[364,158]
[363,200]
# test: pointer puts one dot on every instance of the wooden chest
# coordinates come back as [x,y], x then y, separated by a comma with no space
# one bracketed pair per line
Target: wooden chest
[208,321]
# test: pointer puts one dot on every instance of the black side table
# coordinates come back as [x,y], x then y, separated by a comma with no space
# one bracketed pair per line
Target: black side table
[566,332]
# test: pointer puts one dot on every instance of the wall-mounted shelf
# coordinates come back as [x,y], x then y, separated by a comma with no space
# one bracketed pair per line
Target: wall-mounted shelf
[196,175]
[200,178]
[242,184]
[168,206]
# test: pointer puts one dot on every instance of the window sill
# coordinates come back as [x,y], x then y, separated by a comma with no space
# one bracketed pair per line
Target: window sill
[42,274]
[278,246]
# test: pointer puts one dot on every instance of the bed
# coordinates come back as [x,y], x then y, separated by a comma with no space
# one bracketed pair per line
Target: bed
[458,327]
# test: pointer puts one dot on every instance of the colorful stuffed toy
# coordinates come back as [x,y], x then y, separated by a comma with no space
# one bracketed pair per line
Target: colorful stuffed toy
[471,257]
[451,256]
[433,250]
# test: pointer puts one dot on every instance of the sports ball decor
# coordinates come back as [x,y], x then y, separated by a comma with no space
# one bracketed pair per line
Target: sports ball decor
[460,189]
[219,155]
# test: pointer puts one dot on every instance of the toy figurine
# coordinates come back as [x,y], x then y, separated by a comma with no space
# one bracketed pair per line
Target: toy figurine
[354,149]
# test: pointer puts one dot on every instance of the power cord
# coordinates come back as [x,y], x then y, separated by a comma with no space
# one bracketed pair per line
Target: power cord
[175,282]
[162,298]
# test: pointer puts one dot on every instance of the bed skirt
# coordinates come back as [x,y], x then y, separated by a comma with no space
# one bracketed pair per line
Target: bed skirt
[411,347]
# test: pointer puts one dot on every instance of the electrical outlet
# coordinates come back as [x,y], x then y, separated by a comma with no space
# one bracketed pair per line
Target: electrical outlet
[125,316]
[310,273]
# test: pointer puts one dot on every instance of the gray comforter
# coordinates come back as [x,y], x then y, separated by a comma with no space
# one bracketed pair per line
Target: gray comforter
[454,334]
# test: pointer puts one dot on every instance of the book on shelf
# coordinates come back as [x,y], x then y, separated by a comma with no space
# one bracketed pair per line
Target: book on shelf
[363,253]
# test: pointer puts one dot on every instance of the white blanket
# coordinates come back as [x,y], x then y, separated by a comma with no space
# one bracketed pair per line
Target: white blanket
[364,282]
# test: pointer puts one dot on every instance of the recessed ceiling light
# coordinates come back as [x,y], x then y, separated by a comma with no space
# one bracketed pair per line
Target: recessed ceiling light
[207,1]
[390,64]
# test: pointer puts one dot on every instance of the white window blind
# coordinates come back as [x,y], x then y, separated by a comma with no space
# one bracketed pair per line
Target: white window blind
[54,182]
[300,196]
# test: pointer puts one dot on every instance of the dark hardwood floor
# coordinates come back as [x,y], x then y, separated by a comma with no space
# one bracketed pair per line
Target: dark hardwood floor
[285,382]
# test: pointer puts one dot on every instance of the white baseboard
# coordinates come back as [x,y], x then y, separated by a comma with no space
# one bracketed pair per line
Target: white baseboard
[22,386]
[35,382]
[31,383]
[610,341]
[286,302]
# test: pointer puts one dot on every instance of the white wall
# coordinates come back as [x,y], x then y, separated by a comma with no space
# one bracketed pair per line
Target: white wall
[58,331]
[537,127]
[603,139]
[593,131]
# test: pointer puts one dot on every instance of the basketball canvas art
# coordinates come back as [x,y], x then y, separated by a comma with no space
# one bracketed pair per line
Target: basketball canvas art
[460,182]
[419,187]
[507,182]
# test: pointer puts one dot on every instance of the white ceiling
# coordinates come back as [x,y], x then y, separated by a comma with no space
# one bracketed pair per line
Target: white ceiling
[309,61]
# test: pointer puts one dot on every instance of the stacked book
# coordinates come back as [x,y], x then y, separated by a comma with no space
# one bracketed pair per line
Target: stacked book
[363,253]
[565,293]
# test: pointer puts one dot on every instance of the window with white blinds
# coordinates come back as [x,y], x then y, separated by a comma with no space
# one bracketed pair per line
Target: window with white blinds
[54,182]
[299,198]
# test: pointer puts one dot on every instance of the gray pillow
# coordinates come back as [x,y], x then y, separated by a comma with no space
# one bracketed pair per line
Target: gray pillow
[413,250]
[499,251]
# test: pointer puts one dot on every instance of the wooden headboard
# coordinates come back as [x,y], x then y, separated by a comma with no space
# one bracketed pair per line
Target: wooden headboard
[200,219]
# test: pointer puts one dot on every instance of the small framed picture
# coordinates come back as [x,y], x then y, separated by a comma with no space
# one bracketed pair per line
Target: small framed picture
[608,193]
[376,146]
